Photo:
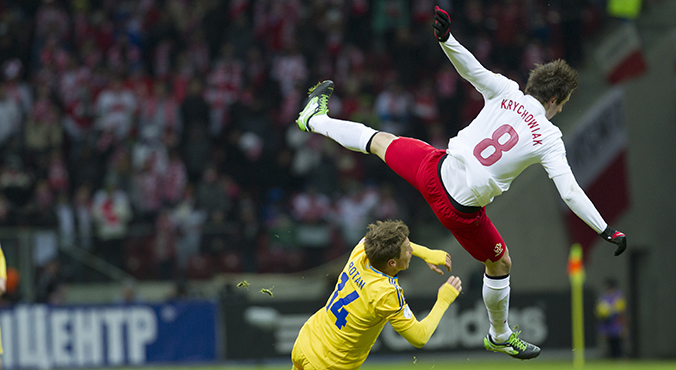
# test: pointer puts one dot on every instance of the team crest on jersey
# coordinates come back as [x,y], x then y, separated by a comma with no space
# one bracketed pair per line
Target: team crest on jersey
[498,249]
[407,312]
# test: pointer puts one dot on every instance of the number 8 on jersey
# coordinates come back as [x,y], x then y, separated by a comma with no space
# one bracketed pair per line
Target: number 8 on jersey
[495,144]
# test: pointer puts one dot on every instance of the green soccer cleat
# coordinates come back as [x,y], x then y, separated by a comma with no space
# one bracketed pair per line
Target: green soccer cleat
[317,103]
[514,347]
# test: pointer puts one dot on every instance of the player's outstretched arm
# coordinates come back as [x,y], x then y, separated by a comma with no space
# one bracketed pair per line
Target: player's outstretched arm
[420,332]
[485,81]
[433,257]
[582,206]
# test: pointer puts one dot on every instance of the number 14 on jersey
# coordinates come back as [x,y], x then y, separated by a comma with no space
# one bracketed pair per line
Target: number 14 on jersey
[337,306]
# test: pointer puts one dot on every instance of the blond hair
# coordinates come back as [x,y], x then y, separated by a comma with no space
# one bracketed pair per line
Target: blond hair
[383,241]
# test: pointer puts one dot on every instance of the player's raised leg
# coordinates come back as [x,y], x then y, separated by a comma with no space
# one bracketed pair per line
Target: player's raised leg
[380,142]
[314,118]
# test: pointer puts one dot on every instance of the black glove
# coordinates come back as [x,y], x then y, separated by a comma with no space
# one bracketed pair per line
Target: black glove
[616,237]
[442,24]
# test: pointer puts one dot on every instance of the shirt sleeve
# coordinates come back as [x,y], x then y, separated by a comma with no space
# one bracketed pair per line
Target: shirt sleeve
[435,257]
[578,202]
[554,159]
[419,332]
[390,303]
[486,82]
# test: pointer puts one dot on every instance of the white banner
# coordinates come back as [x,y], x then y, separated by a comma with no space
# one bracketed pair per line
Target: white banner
[598,138]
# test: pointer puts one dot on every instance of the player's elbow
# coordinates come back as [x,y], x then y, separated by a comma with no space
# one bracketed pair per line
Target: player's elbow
[568,199]
[570,193]
[417,335]
[417,343]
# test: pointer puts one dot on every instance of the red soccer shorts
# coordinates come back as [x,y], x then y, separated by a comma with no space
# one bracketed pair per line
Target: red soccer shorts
[417,162]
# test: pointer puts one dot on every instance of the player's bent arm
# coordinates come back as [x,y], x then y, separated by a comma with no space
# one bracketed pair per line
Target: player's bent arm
[470,68]
[420,332]
[433,256]
[578,202]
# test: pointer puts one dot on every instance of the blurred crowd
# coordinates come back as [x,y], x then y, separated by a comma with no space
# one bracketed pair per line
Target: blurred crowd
[159,135]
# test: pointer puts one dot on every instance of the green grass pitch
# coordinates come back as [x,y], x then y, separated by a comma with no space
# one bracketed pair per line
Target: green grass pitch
[455,365]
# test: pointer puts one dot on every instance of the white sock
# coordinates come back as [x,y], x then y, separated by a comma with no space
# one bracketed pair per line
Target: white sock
[352,135]
[496,299]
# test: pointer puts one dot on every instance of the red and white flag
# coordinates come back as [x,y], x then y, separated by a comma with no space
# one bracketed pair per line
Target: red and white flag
[621,56]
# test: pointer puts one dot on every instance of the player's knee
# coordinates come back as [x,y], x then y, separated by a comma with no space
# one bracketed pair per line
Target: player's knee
[506,262]
[500,267]
[380,142]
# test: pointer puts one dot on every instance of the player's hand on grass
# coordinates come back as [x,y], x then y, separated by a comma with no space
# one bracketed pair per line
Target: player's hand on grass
[616,237]
[439,271]
[442,24]
[455,282]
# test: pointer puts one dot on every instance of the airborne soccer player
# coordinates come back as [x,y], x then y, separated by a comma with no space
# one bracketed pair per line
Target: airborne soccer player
[511,132]
[367,296]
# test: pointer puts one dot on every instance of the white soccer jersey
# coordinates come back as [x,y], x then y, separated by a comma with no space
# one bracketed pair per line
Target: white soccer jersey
[510,133]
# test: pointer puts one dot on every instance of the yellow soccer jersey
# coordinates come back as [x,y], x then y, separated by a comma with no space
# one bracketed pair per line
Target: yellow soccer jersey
[340,335]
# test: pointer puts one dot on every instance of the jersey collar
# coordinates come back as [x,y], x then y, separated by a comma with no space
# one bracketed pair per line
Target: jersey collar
[540,107]
[381,273]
